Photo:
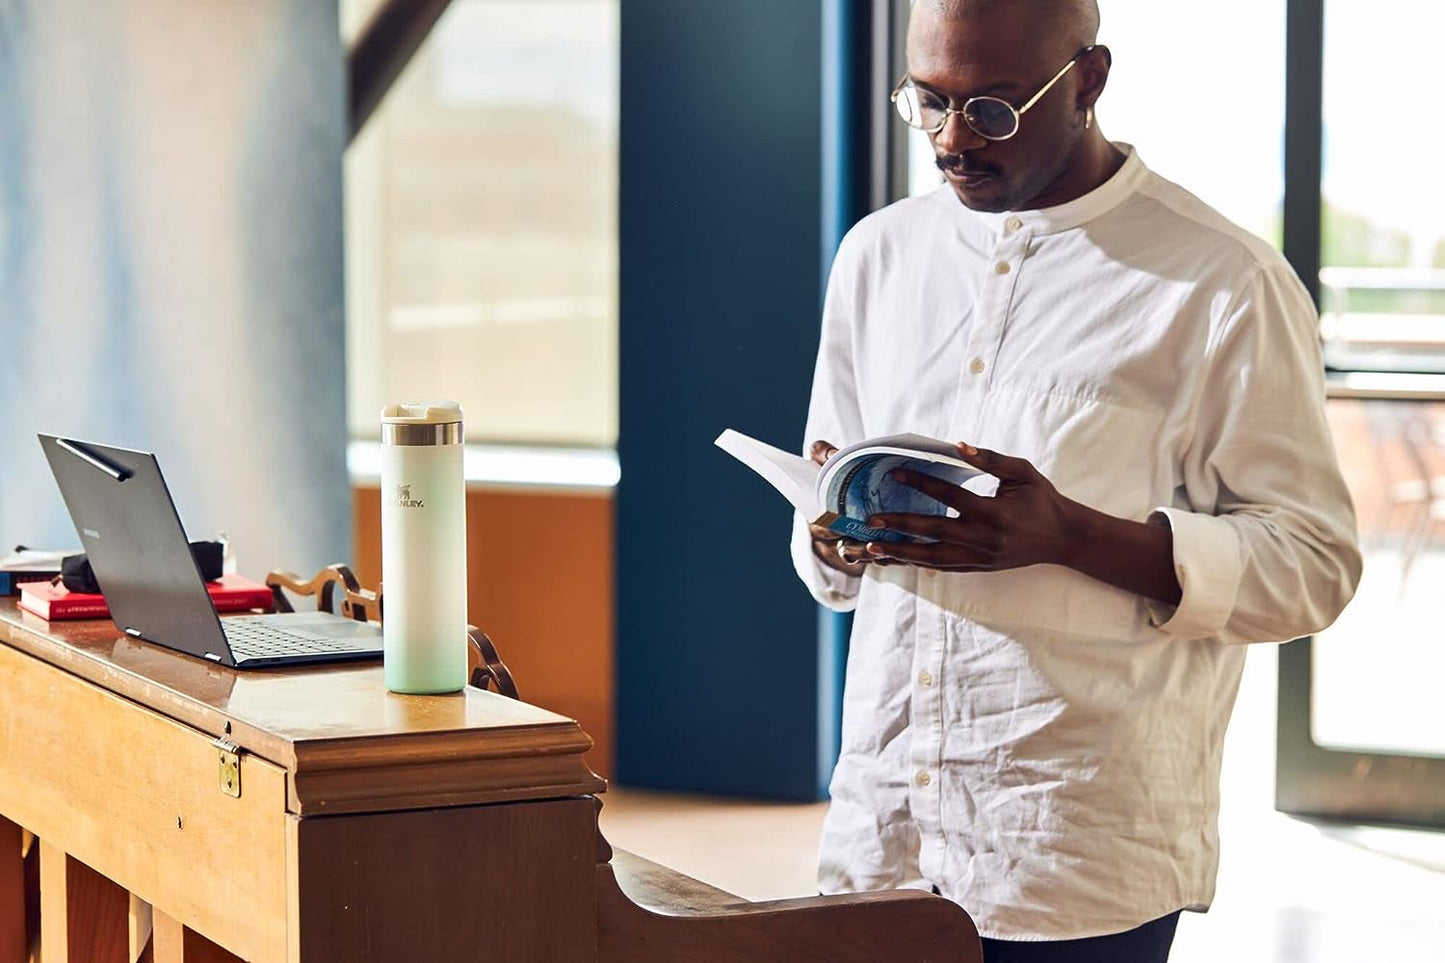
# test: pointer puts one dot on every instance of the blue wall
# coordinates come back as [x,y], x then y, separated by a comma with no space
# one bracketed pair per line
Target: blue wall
[723,684]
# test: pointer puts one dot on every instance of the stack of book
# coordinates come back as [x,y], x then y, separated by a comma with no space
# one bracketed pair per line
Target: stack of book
[29,565]
[54,602]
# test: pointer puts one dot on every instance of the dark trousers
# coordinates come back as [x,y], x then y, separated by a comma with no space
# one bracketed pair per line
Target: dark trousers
[1145,944]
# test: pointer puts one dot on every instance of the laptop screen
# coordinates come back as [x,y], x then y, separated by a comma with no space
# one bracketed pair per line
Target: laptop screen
[128,525]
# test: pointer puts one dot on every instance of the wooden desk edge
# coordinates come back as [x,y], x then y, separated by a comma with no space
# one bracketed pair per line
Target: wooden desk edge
[533,763]
[542,760]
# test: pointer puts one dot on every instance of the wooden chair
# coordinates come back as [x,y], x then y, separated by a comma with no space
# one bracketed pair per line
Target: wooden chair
[647,913]
[337,591]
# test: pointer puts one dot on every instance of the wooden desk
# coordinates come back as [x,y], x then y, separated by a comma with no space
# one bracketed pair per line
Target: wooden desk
[367,825]
[309,816]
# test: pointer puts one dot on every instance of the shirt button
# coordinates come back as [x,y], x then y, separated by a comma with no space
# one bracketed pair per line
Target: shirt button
[1013,224]
[923,779]
[1002,267]
[976,366]
[925,677]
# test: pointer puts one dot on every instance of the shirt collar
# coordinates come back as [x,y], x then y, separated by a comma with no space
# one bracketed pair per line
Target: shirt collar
[1079,211]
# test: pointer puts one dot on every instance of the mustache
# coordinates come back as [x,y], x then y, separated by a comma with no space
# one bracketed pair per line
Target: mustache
[958,165]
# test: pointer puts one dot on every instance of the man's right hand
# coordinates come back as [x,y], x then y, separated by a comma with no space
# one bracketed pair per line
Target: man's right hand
[844,554]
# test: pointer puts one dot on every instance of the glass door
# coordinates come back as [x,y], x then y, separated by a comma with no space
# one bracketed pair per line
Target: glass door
[1361,718]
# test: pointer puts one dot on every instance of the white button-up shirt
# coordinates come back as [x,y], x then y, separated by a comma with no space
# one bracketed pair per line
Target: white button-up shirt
[1042,747]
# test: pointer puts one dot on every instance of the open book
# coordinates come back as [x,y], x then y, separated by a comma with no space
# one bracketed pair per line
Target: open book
[855,483]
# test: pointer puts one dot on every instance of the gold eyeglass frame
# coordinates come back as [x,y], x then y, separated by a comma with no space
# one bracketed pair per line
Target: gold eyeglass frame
[962,112]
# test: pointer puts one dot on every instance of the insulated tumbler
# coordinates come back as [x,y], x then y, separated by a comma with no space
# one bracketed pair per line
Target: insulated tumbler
[423,548]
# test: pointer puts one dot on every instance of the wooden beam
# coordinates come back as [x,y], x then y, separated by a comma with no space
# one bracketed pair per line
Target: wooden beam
[30,848]
[141,924]
[383,49]
[84,917]
[175,943]
[12,894]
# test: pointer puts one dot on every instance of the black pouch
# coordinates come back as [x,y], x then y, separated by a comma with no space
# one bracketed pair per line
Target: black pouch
[77,575]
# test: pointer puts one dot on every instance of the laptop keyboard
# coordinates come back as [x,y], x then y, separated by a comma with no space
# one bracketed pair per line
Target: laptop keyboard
[261,640]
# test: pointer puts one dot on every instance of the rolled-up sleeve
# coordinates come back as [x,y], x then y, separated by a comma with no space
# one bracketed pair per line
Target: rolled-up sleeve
[1265,547]
[833,416]
[835,589]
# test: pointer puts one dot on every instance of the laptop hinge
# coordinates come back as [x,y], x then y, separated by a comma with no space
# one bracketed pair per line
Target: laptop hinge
[230,766]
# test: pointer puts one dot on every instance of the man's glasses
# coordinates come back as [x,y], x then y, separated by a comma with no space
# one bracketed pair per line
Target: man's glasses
[991,118]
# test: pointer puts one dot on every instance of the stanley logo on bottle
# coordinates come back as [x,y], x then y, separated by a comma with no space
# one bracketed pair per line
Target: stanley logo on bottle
[403,498]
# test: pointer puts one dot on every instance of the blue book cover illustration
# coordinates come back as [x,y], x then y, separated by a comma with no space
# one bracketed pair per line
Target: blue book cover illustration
[866,488]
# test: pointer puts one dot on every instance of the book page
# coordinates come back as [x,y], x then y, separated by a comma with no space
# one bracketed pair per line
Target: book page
[908,443]
[855,482]
[917,447]
[32,559]
[794,476]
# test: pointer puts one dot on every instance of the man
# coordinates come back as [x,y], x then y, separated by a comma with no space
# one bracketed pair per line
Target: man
[1036,700]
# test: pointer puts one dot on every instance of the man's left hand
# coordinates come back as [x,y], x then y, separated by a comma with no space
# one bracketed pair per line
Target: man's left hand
[1026,522]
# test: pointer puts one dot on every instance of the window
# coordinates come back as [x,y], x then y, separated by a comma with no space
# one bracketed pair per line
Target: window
[1375,673]
[1383,217]
[481,225]
[1198,89]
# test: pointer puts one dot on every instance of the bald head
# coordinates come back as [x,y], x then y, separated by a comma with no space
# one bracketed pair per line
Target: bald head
[1062,24]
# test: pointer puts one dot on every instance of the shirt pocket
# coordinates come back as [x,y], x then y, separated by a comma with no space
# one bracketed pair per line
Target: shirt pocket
[1110,456]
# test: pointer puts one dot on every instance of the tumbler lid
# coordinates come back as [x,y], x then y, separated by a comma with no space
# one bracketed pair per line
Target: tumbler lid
[422,413]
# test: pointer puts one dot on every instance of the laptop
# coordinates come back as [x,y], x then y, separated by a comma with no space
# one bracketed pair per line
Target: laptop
[128,525]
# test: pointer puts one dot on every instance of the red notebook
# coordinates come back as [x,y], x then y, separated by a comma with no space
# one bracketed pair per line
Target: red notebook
[230,593]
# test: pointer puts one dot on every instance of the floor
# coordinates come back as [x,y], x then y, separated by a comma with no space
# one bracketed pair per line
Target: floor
[1289,891]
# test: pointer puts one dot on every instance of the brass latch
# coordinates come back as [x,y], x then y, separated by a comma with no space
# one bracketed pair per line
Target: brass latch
[230,767]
